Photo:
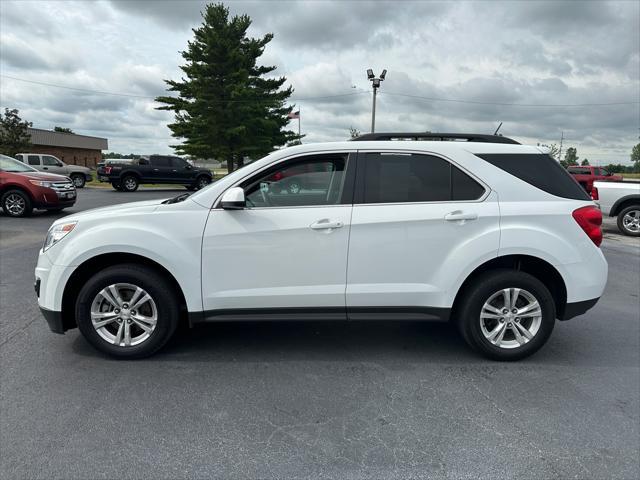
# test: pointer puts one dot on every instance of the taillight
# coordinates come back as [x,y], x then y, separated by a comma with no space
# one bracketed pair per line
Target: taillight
[590,218]
[594,194]
[107,170]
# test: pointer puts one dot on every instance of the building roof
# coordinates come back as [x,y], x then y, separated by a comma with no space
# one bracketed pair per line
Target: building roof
[50,138]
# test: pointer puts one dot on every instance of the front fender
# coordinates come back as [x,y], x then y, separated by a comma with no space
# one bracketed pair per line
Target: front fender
[172,238]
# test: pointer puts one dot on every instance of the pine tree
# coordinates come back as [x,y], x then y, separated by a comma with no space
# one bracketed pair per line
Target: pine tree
[226,108]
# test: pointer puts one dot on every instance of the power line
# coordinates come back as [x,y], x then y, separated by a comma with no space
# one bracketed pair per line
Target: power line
[435,99]
[327,97]
[118,94]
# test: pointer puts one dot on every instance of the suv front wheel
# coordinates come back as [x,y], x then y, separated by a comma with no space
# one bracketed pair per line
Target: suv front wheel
[127,311]
[506,314]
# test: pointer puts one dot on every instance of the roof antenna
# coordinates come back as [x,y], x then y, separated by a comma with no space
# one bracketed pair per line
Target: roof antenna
[496,132]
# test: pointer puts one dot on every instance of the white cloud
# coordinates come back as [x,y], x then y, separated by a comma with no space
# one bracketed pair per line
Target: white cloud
[503,52]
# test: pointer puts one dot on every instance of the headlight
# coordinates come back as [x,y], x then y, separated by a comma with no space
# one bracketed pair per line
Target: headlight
[41,183]
[57,233]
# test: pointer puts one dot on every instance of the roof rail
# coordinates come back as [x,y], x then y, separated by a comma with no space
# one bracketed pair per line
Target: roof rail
[444,137]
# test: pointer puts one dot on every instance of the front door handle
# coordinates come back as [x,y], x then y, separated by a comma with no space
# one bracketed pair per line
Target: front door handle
[325,224]
[459,215]
[45,168]
[155,169]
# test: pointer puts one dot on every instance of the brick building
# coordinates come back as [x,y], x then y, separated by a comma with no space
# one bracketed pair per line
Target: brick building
[68,147]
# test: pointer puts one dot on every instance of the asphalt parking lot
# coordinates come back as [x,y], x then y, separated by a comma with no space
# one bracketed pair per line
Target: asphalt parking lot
[294,400]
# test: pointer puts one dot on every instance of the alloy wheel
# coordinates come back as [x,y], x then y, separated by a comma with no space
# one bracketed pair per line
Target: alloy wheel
[78,181]
[631,221]
[124,314]
[510,318]
[203,182]
[15,204]
[129,183]
[294,188]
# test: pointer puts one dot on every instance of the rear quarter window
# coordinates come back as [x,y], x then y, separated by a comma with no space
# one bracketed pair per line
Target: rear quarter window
[539,170]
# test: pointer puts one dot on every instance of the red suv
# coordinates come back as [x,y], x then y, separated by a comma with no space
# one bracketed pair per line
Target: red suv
[23,188]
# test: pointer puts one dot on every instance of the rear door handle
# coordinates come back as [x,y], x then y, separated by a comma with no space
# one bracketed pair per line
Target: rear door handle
[460,215]
[155,169]
[325,224]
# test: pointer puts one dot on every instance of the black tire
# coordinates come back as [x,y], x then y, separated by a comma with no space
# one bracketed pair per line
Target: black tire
[191,188]
[129,183]
[158,288]
[116,186]
[467,314]
[16,203]
[78,180]
[202,181]
[632,229]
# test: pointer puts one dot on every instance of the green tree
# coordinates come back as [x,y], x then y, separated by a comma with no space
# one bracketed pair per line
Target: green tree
[225,108]
[635,157]
[571,156]
[14,137]
[585,163]
[63,129]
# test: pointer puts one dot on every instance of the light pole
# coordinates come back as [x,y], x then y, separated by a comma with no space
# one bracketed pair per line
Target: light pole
[376,84]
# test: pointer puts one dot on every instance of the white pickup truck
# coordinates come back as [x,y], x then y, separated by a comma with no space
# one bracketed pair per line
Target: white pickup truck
[622,200]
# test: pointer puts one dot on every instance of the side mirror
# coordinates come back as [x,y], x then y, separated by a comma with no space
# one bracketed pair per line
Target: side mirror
[188,167]
[233,199]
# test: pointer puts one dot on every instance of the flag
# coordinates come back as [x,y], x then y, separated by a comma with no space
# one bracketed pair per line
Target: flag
[294,114]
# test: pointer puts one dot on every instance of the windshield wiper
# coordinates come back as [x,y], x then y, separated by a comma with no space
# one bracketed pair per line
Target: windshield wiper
[179,198]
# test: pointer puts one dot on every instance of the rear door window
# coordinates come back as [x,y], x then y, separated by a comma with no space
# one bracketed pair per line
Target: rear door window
[160,161]
[33,159]
[539,170]
[412,178]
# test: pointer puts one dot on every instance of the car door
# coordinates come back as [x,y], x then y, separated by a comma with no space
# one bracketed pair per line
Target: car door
[161,169]
[181,170]
[418,222]
[51,164]
[34,161]
[285,250]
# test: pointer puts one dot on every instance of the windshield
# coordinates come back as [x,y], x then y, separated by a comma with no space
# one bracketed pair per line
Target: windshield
[8,164]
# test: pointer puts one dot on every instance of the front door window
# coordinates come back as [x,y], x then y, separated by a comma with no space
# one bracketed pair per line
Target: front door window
[309,181]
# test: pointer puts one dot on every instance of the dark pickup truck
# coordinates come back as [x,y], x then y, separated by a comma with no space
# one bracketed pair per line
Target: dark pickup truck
[153,169]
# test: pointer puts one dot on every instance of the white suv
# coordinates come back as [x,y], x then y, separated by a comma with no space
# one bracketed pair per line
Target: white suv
[492,235]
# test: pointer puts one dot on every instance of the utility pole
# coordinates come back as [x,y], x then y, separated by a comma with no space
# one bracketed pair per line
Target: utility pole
[376,84]
[560,152]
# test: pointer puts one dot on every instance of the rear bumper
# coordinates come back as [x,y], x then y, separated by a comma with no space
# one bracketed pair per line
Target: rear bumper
[54,320]
[575,309]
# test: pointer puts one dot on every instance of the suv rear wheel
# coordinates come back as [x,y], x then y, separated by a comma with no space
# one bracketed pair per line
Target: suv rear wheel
[16,203]
[506,314]
[78,180]
[629,221]
[128,311]
[130,183]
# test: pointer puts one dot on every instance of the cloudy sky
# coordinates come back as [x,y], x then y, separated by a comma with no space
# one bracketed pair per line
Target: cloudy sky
[540,67]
